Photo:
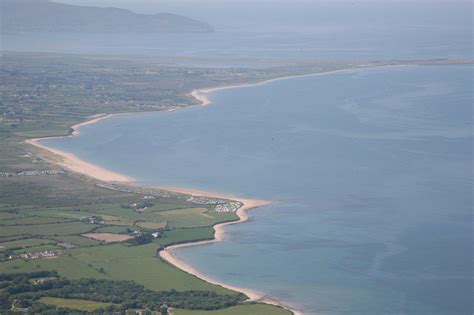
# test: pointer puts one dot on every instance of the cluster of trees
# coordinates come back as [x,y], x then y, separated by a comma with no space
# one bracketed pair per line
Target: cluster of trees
[126,294]
[141,239]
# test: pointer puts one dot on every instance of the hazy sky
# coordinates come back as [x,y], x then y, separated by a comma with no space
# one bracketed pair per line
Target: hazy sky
[247,2]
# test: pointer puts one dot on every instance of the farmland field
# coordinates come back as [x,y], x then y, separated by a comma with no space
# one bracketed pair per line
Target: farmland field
[249,309]
[82,305]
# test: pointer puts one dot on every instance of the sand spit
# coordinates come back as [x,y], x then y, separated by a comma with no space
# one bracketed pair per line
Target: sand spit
[202,95]
[93,120]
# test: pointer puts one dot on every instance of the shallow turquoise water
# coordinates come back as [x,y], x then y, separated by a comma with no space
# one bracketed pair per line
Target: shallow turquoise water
[370,172]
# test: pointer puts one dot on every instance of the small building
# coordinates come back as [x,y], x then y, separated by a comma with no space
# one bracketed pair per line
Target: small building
[156,234]
[43,280]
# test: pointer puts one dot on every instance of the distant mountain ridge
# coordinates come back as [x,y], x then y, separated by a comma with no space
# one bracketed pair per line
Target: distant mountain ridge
[45,16]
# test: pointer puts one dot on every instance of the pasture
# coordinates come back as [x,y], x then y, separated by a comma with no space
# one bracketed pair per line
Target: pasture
[82,305]
[247,309]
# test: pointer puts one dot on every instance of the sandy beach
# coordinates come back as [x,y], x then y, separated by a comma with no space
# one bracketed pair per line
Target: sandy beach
[72,163]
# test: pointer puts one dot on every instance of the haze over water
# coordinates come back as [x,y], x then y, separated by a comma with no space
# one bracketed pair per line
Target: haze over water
[370,172]
[281,30]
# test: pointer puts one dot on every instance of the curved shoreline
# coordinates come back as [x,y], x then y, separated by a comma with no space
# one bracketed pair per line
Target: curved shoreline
[168,253]
[202,94]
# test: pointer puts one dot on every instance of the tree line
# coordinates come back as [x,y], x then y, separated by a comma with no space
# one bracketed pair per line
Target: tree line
[26,290]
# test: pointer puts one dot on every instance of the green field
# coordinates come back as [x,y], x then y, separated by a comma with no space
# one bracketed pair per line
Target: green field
[33,220]
[25,243]
[194,217]
[82,305]
[247,309]
[119,262]
[77,240]
[7,215]
[47,229]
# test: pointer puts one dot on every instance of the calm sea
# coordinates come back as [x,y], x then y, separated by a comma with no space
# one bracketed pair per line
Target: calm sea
[370,172]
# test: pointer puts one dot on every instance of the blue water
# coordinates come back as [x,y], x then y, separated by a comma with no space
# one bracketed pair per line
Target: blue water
[370,172]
